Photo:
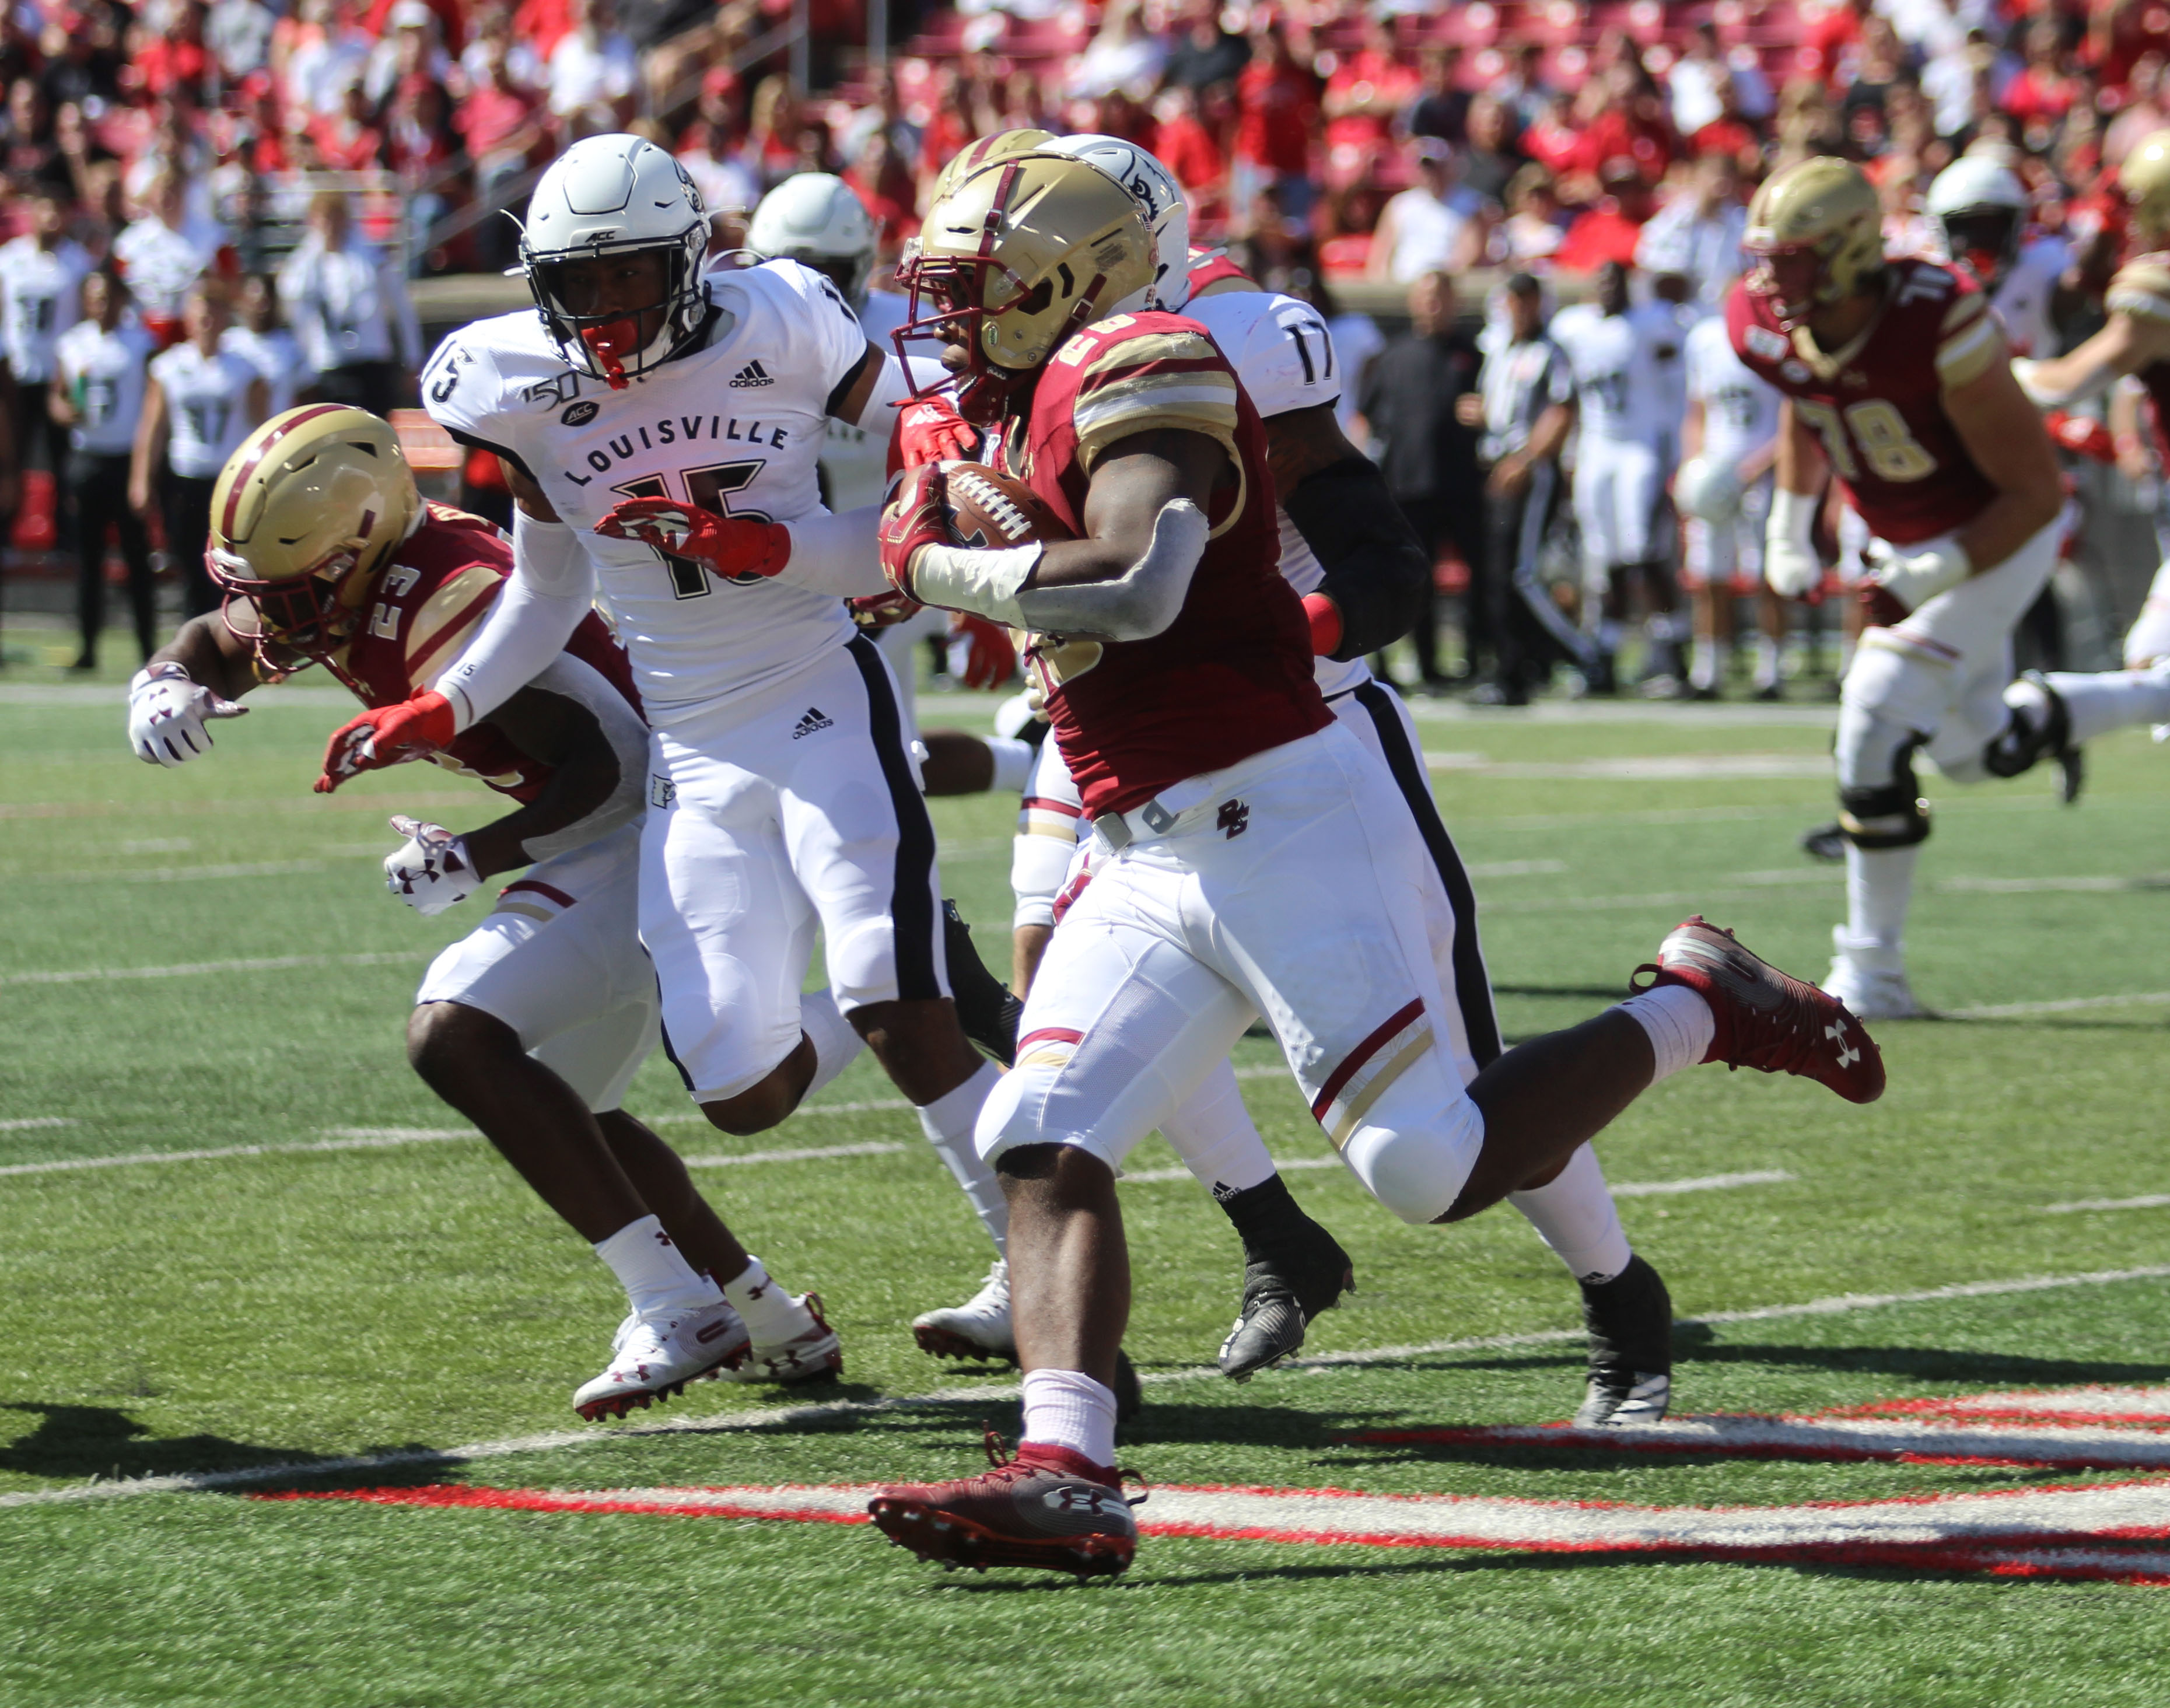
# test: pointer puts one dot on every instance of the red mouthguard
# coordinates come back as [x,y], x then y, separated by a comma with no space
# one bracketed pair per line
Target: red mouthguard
[610,342]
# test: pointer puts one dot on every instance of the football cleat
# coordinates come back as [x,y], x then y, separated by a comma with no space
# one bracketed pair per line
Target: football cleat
[1046,1509]
[1873,993]
[653,1356]
[979,1328]
[1285,1284]
[1766,1019]
[986,1009]
[1630,1318]
[812,1355]
[1825,841]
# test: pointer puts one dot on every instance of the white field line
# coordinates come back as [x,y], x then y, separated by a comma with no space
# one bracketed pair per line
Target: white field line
[30,1123]
[359,1139]
[172,810]
[1671,767]
[196,969]
[1961,1529]
[810,1154]
[2152,1201]
[786,1416]
[1514,869]
[2064,1005]
[2037,886]
[1621,1188]
[170,874]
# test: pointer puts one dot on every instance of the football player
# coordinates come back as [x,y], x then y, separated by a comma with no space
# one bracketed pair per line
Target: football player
[1897,381]
[818,220]
[1979,207]
[1627,362]
[1334,511]
[2135,342]
[1251,857]
[1729,438]
[660,432]
[534,1025]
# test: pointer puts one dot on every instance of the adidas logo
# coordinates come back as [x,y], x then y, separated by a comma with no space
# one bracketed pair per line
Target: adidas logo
[813,722]
[753,374]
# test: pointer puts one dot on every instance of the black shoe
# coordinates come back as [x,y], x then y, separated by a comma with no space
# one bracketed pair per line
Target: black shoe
[1824,842]
[84,666]
[1630,1318]
[1771,692]
[984,1007]
[1708,690]
[1289,1277]
[1598,681]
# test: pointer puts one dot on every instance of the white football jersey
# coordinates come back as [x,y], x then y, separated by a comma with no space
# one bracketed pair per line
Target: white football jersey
[40,297]
[207,407]
[104,373]
[855,460]
[2021,298]
[1739,409]
[277,355]
[1628,371]
[734,424]
[1285,356]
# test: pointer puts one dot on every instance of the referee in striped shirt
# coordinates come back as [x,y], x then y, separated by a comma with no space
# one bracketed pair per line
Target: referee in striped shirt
[1526,405]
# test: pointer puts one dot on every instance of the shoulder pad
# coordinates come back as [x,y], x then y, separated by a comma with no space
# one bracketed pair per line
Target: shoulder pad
[2141,289]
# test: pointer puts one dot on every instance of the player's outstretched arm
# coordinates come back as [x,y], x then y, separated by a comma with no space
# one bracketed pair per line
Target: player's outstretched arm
[1125,579]
[196,678]
[592,790]
[2126,344]
[1376,567]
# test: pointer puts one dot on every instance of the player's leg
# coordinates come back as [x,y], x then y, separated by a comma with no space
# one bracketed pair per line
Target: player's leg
[1919,683]
[1644,525]
[1706,551]
[85,502]
[1572,1210]
[142,582]
[1594,504]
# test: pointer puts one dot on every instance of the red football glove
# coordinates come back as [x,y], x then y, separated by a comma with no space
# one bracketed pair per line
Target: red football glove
[982,653]
[387,735]
[1324,617]
[929,430]
[919,514]
[2082,434]
[882,609]
[730,546]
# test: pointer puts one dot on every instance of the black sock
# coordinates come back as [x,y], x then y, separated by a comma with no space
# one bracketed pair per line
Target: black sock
[1263,1214]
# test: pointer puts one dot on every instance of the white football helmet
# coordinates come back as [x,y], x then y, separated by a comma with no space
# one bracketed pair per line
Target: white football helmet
[1154,189]
[616,195]
[815,218]
[1979,206]
[1708,491]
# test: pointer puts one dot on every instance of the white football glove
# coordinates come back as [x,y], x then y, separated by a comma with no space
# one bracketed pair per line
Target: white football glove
[167,710]
[1707,490]
[1790,563]
[1914,580]
[432,871]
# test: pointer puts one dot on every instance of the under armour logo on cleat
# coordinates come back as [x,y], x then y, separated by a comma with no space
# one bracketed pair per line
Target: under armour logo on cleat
[1235,818]
[812,722]
[753,374]
[1847,1054]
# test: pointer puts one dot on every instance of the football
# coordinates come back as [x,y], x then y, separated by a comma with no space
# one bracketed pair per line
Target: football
[990,509]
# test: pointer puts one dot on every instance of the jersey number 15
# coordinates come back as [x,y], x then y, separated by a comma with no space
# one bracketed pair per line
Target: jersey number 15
[708,489]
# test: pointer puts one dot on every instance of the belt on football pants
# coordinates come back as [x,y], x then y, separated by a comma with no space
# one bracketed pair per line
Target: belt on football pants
[1161,816]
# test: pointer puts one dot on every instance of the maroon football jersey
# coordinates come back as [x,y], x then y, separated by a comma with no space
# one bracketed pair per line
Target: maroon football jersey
[1880,413]
[1231,676]
[423,606]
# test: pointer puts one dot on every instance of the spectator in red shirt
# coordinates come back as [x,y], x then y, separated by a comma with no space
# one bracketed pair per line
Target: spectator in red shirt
[502,125]
[1635,126]
[884,185]
[1610,231]
[1366,90]
[2043,92]
[1277,115]
[178,62]
[348,141]
[1188,149]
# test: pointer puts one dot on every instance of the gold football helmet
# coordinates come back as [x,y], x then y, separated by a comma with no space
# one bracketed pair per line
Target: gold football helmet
[1021,252]
[1815,238]
[303,514]
[2145,178]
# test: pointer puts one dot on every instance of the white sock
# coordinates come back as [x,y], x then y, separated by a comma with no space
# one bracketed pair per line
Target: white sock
[1680,1024]
[948,1122]
[1708,665]
[1067,1408]
[1214,1136]
[652,1269]
[1765,665]
[1575,1215]
[1013,761]
[836,1044]
[769,1313]
[2099,703]
[1879,889]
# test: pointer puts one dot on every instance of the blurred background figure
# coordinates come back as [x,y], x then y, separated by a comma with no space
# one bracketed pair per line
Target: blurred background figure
[101,371]
[350,309]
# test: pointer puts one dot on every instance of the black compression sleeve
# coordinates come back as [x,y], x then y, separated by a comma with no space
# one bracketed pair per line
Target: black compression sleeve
[1376,567]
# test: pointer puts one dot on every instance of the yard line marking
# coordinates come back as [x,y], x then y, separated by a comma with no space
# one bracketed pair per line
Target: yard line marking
[1514,869]
[29,1123]
[171,874]
[166,810]
[870,1106]
[1668,767]
[2067,1005]
[2001,1532]
[786,1416]
[193,969]
[1621,1189]
[360,1139]
[2035,886]
[2152,1201]
[1664,898]
[811,1153]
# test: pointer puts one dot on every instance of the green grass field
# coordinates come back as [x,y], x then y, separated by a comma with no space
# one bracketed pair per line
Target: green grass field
[205,960]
